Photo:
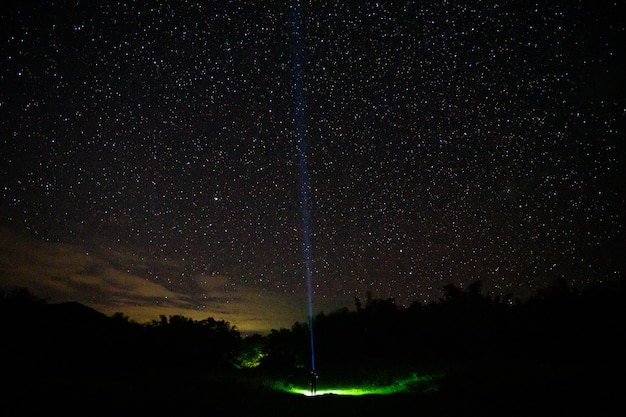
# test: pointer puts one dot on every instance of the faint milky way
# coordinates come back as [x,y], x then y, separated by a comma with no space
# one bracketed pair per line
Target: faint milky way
[447,142]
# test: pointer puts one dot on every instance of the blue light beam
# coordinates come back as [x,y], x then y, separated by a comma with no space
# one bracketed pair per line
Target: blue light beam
[300,117]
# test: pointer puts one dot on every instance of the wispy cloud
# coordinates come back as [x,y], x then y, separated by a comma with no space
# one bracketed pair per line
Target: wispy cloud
[111,283]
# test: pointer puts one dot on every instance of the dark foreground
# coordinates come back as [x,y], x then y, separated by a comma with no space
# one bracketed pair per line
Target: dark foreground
[228,395]
[561,354]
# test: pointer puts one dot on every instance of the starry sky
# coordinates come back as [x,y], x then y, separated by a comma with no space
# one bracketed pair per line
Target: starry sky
[150,159]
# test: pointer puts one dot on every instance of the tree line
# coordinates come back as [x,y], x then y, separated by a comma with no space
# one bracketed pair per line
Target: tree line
[570,332]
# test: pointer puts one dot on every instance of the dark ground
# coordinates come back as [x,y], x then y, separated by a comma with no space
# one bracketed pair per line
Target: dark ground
[228,395]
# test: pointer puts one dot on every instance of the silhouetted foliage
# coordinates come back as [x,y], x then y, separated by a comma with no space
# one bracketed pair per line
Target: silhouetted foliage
[287,350]
[483,344]
[71,337]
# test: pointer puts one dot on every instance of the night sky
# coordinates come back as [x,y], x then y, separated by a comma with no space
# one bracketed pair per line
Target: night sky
[150,161]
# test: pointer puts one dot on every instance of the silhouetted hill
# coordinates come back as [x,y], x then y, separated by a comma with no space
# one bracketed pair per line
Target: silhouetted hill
[72,312]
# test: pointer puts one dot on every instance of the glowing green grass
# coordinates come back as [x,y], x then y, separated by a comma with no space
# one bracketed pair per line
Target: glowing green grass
[402,385]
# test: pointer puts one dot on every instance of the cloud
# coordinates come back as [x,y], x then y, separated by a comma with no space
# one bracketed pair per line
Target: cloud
[63,272]
[109,283]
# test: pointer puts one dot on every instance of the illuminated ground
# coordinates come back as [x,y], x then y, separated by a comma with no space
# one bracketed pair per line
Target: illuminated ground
[407,384]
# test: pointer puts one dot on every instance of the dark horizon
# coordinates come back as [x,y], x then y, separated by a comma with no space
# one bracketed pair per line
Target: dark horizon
[555,291]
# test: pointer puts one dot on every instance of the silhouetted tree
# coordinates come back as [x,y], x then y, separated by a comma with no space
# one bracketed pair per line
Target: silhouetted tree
[286,349]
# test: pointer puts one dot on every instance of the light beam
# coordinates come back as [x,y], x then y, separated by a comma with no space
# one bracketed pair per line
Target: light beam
[304,174]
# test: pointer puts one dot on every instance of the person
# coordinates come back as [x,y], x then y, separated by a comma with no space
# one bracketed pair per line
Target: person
[313,382]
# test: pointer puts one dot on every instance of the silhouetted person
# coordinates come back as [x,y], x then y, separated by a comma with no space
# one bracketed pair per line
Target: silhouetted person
[313,382]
